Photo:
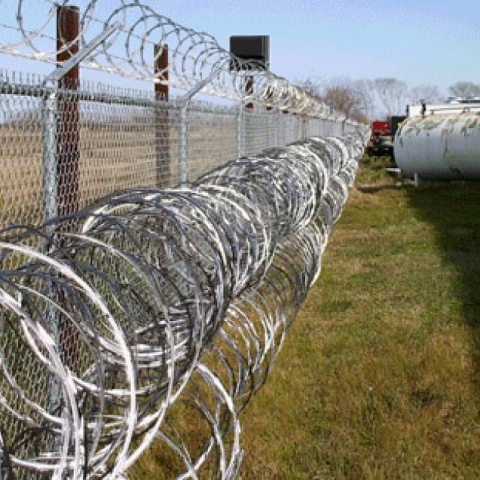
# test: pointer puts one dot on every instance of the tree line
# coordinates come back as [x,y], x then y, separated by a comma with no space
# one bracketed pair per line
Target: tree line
[365,100]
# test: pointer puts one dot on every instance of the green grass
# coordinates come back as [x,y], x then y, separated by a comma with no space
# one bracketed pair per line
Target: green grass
[379,376]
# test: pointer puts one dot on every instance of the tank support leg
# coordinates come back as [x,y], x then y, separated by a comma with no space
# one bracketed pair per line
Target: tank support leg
[417,180]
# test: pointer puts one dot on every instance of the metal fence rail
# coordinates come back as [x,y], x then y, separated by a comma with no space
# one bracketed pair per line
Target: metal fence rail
[154,248]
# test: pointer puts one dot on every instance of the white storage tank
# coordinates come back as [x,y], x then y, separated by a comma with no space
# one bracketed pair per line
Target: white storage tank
[443,146]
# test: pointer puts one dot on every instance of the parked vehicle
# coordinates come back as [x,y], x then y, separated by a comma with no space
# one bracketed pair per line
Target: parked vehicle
[381,139]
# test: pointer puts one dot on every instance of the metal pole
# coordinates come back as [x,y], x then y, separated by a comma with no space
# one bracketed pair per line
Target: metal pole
[269,98]
[182,146]
[249,90]
[49,133]
[60,178]
[50,210]
[249,144]
[68,155]
[240,131]
[68,124]
[280,128]
[304,126]
[162,121]
[272,126]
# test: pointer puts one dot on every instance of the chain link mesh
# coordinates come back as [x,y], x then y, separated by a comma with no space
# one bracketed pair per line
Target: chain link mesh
[154,250]
[20,159]
[136,319]
[103,140]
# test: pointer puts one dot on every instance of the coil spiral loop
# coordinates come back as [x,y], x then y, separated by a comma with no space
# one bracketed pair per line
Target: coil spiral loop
[161,298]
[140,36]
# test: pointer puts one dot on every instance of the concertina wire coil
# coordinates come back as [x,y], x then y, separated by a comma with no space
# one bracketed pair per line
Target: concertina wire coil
[152,299]
[140,35]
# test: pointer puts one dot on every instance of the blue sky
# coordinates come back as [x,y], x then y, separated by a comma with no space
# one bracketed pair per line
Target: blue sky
[418,41]
[434,42]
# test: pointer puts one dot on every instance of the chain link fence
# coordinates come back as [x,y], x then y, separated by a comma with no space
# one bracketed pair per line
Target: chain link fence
[137,274]
[61,150]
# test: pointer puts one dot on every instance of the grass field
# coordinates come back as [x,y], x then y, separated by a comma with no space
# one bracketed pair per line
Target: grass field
[379,378]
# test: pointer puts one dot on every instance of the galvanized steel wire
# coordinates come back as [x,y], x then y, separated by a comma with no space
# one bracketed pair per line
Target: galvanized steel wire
[140,35]
[152,299]
[154,313]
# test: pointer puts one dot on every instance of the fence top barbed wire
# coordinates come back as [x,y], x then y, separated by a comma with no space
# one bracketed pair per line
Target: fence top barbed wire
[139,36]
[146,298]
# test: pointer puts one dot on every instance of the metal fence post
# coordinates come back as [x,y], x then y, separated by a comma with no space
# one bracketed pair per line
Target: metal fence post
[68,121]
[183,145]
[272,123]
[304,126]
[248,119]
[162,120]
[60,132]
[68,153]
[240,131]
[279,128]
[50,211]
[249,90]
[49,134]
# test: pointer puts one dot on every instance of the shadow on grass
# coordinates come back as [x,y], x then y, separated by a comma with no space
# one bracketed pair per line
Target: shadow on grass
[379,188]
[453,209]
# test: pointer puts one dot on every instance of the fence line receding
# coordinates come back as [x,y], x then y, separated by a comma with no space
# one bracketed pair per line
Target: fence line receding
[154,248]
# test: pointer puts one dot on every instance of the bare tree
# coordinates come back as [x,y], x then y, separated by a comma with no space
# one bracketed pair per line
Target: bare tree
[425,93]
[365,89]
[393,94]
[465,89]
[343,95]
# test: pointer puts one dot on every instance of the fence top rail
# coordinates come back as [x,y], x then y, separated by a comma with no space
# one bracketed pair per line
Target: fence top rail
[140,37]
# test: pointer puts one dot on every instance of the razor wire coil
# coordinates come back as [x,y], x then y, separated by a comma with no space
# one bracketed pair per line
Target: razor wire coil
[140,37]
[160,298]
[152,312]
